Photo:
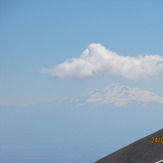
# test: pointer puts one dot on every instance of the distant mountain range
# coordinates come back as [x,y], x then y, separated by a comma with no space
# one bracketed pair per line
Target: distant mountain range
[146,150]
[115,94]
[119,95]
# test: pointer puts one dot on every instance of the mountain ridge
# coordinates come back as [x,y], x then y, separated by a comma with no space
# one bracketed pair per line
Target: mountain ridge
[140,151]
[122,95]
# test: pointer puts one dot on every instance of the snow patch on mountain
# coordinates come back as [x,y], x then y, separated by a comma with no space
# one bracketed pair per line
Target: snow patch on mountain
[121,95]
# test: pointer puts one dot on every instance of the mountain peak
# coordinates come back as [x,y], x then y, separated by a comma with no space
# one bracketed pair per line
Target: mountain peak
[121,95]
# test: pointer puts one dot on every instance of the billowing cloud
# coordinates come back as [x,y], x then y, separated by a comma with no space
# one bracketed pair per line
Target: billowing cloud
[97,60]
[121,95]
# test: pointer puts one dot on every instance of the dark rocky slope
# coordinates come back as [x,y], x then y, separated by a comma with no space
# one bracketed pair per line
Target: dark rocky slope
[141,151]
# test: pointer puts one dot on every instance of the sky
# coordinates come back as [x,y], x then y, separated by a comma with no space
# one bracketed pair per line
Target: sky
[59,49]
[92,52]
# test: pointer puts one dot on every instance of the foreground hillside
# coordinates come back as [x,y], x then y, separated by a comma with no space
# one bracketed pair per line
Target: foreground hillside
[146,150]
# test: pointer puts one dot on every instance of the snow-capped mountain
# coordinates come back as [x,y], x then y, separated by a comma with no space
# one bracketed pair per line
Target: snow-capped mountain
[116,94]
[121,95]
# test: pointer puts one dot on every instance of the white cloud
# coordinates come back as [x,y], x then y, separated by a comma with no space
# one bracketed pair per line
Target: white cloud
[97,60]
[121,95]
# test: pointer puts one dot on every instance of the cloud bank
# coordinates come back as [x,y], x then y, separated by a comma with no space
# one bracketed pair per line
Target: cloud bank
[97,60]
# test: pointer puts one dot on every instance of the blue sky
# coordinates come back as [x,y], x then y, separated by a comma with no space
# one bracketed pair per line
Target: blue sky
[55,49]
[43,34]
